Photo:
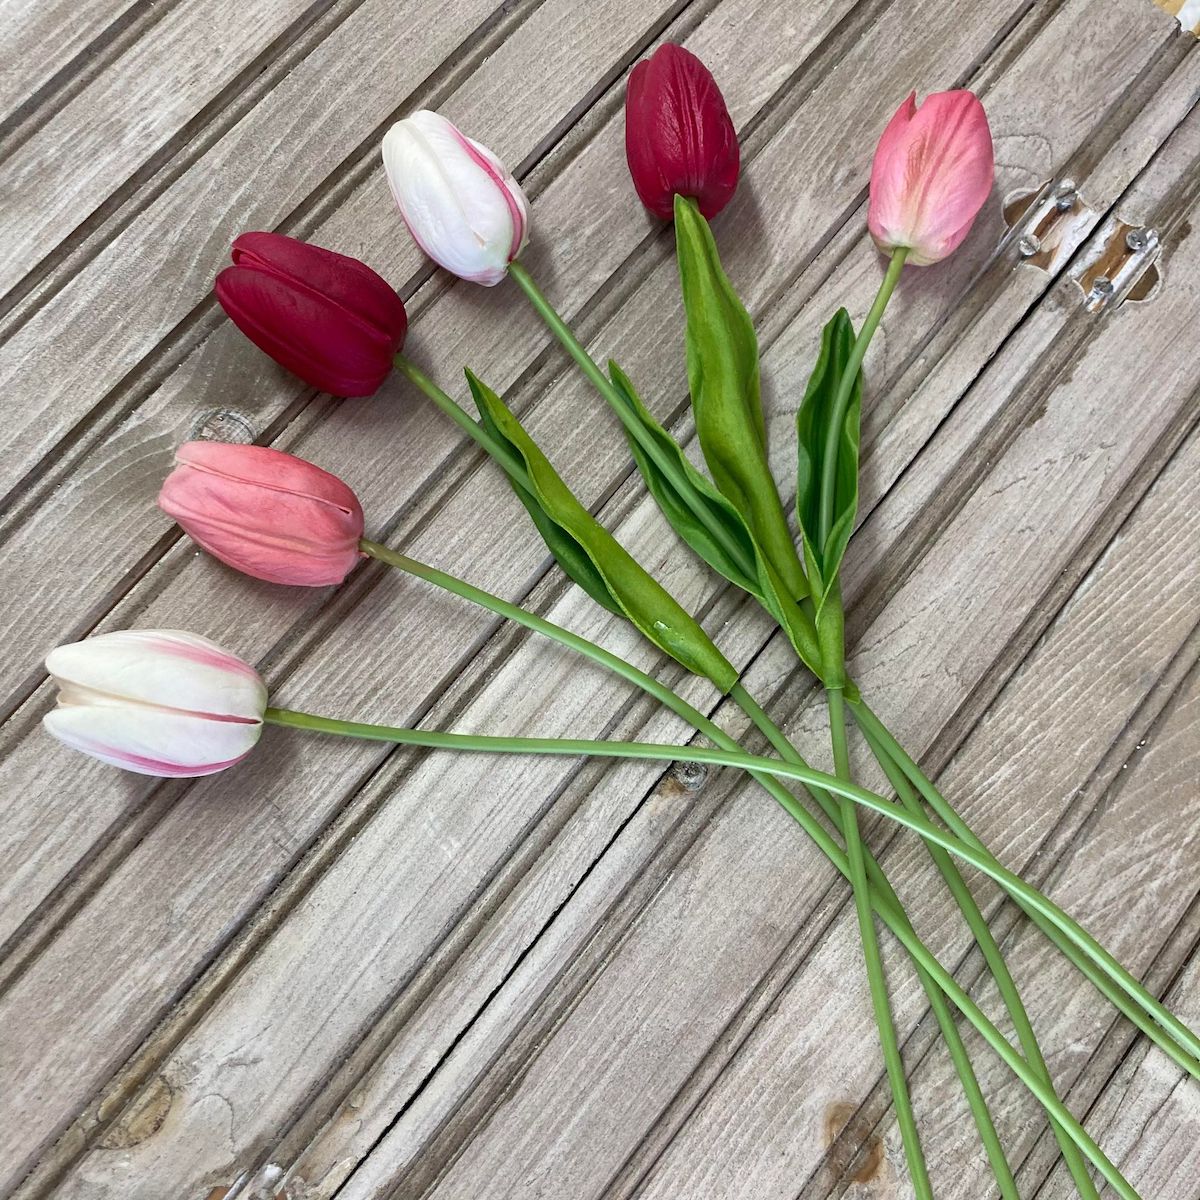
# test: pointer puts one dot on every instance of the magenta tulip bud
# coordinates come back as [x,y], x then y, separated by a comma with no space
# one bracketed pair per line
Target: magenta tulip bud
[264,512]
[157,702]
[324,316]
[932,172]
[679,139]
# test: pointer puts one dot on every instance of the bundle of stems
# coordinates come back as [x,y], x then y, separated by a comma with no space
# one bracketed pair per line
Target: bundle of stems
[873,894]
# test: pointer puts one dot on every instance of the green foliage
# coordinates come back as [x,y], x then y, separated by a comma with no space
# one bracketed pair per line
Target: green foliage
[593,558]
[722,355]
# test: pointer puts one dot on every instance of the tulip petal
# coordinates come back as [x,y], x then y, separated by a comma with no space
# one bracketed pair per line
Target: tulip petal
[460,204]
[265,513]
[931,175]
[151,741]
[167,668]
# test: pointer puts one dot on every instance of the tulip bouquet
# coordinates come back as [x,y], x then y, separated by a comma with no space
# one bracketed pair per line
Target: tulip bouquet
[173,704]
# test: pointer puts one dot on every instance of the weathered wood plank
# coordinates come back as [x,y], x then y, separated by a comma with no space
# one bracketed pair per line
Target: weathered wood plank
[112,127]
[41,37]
[1149,1114]
[262,977]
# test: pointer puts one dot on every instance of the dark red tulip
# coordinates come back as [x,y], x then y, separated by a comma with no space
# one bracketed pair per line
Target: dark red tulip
[324,316]
[678,135]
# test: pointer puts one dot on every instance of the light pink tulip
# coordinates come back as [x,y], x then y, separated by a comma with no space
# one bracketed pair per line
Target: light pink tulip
[932,172]
[265,513]
[156,701]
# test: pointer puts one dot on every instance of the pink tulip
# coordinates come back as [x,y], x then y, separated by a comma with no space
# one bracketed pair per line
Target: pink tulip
[932,172]
[156,701]
[264,512]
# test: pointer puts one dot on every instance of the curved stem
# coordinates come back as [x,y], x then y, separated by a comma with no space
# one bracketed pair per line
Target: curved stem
[765,769]
[937,999]
[1111,979]
[846,386]
[996,964]
[876,980]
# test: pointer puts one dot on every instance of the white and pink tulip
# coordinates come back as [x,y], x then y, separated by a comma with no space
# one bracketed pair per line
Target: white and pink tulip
[156,701]
[461,204]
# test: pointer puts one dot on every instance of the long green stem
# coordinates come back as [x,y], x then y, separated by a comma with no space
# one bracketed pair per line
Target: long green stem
[876,980]
[765,770]
[697,719]
[1113,981]
[937,1000]
[837,413]
[995,961]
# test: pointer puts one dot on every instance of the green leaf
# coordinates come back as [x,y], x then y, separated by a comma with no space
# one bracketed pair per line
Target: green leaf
[812,424]
[693,507]
[722,353]
[629,589]
[689,495]
[569,554]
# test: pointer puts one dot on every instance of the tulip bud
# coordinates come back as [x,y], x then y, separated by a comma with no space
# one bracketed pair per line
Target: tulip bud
[264,512]
[324,316]
[459,201]
[158,702]
[679,139]
[932,172]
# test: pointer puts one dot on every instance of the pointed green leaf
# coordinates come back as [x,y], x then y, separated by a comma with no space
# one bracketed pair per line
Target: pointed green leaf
[569,554]
[722,353]
[812,423]
[693,507]
[637,595]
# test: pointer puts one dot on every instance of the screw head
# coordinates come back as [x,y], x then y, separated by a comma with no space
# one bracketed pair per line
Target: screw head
[1029,245]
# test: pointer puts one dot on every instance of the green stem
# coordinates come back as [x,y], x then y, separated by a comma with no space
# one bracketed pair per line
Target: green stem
[876,980]
[605,386]
[463,419]
[995,961]
[1111,979]
[766,770]
[937,1000]
[837,414]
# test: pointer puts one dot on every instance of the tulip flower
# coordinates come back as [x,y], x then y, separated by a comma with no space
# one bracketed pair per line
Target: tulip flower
[264,512]
[932,172]
[156,701]
[460,203]
[679,139]
[324,316]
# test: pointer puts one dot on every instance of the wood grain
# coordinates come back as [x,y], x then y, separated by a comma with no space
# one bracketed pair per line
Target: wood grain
[354,971]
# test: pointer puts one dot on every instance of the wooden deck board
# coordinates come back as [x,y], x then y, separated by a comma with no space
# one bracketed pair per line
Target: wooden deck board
[344,969]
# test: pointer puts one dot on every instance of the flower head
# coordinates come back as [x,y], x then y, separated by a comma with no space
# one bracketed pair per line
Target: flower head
[932,172]
[679,138]
[324,316]
[156,701]
[460,203]
[265,513]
